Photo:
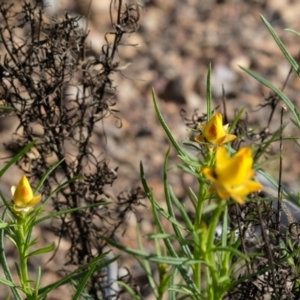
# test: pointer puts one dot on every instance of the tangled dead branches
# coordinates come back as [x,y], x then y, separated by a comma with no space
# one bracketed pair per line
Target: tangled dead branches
[59,95]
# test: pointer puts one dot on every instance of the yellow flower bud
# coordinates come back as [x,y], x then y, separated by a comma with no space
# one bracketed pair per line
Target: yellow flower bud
[23,197]
[214,132]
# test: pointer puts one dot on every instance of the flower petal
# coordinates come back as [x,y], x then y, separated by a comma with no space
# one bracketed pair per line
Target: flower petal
[35,200]
[209,173]
[214,132]
[235,170]
[231,176]
[23,197]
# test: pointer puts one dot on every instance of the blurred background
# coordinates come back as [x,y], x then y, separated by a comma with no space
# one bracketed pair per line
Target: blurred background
[173,47]
[175,43]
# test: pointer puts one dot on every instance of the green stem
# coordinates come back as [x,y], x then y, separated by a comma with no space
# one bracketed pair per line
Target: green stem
[198,254]
[23,254]
[215,292]
[201,198]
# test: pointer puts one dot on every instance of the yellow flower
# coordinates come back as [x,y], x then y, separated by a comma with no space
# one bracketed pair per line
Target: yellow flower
[23,197]
[231,176]
[214,132]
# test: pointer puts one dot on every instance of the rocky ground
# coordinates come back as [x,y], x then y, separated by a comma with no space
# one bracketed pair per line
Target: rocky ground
[174,45]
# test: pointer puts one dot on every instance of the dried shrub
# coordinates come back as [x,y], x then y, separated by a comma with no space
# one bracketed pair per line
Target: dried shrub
[59,94]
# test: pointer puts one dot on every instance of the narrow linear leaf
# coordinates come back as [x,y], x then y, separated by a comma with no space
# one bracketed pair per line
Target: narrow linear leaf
[8,207]
[156,206]
[66,211]
[63,185]
[5,266]
[145,264]
[169,246]
[287,55]
[16,157]
[208,93]
[265,146]
[233,250]
[193,163]
[179,149]
[3,225]
[78,274]
[84,281]
[8,108]
[176,261]
[236,120]
[42,250]
[129,289]
[38,282]
[7,283]
[279,93]
[49,171]
[182,210]
[293,31]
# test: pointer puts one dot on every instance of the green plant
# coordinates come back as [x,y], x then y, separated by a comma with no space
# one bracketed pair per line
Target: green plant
[197,264]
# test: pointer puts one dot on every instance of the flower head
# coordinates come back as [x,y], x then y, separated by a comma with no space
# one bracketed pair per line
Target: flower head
[231,176]
[23,197]
[214,132]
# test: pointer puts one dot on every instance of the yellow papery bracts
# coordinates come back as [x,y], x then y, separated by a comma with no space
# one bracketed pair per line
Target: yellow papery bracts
[232,176]
[214,132]
[23,197]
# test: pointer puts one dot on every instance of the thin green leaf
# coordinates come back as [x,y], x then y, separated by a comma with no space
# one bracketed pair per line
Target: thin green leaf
[180,239]
[8,207]
[7,283]
[182,290]
[33,242]
[268,143]
[210,207]
[176,229]
[66,211]
[293,31]
[60,187]
[49,171]
[176,261]
[78,274]
[193,197]
[191,163]
[273,182]
[224,227]
[164,283]
[8,108]
[233,250]
[145,264]
[188,170]
[267,161]
[129,289]
[161,236]
[236,120]
[192,144]
[38,283]
[287,55]
[84,281]
[16,157]
[208,93]
[279,93]
[179,149]
[3,224]
[172,251]
[156,206]
[5,266]
[182,210]
[42,250]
